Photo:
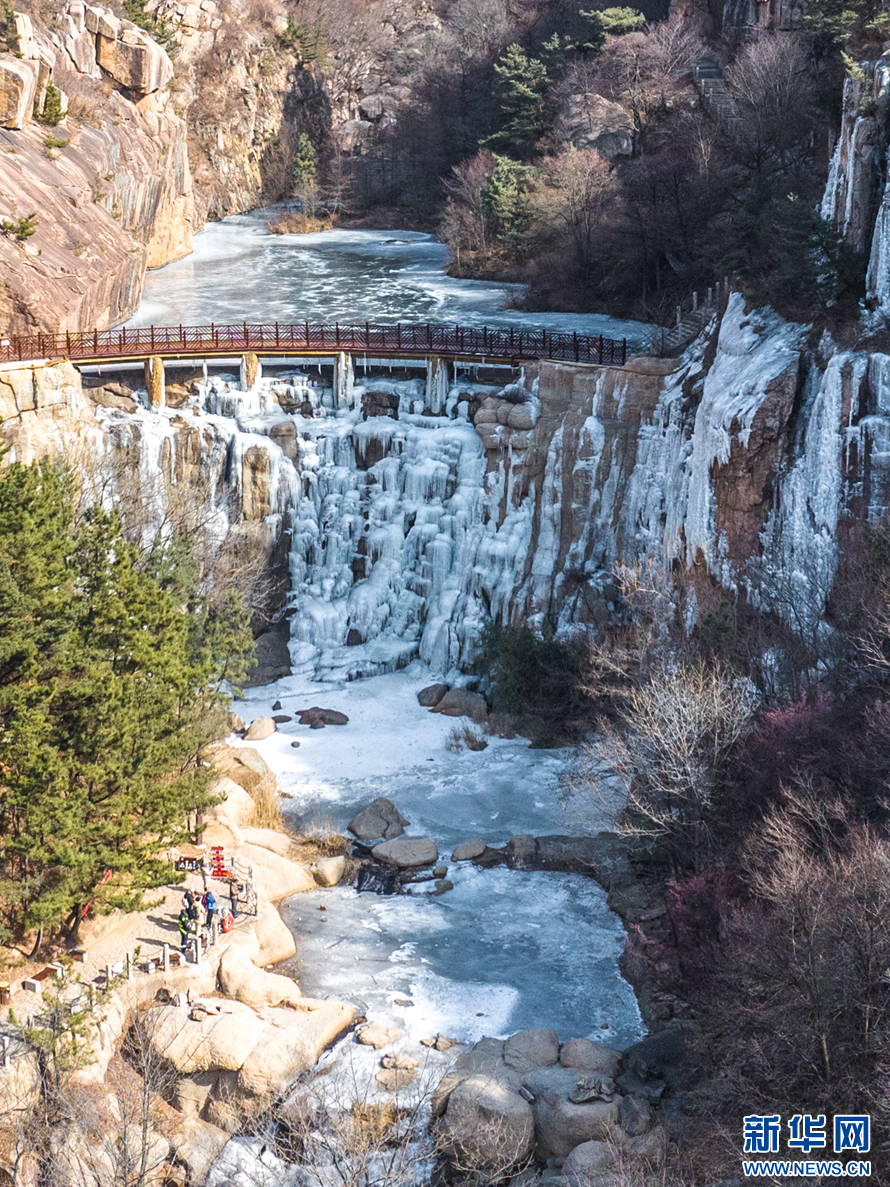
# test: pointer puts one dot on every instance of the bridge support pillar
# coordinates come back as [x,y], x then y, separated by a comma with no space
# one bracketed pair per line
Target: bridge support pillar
[154,382]
[251,371]
[344,379]
[436,383]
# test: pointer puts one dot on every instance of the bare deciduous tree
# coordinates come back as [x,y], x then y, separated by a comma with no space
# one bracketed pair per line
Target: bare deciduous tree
[680,728]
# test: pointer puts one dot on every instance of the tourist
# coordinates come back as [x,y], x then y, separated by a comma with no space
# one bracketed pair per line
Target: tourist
[185,923]
[210,905]
[206,871]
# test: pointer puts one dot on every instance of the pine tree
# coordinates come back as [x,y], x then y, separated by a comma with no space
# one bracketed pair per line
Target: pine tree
[52,113]
[523,86]
[506,203]
[108,684]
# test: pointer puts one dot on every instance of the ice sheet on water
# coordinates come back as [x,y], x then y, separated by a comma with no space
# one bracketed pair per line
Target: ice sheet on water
[505,949]
[349,277]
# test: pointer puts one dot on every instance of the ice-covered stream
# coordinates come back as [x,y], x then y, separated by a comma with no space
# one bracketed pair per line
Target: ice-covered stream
[502,951]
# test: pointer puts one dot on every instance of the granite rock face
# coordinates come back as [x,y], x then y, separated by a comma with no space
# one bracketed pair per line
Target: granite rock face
[18,91]
[112,193]
[135,61]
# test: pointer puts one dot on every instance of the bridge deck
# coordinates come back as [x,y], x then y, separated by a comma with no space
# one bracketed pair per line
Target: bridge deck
[467,343]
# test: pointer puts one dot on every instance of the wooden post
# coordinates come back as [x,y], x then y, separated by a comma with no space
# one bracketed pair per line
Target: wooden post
[197,947]
[108,977]
[166,957]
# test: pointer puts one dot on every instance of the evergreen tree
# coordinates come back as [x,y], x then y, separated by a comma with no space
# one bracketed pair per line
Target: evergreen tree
[304,162]
[507,205]
[608,22]
[792,258]
[106,682]
[523,86]
[52,113]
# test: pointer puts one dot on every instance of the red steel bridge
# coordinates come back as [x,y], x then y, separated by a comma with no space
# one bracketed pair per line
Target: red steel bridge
[395,341]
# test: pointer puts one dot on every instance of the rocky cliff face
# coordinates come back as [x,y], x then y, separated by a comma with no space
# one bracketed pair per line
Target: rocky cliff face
[110,184]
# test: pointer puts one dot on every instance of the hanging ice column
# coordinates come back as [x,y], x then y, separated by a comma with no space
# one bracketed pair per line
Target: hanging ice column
[344,381]
[436,383]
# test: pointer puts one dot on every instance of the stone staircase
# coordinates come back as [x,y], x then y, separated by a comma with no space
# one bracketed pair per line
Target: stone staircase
[669,341]
[716,100]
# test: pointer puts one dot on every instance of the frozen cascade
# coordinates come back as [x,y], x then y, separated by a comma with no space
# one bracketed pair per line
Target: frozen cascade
[800,546]
[752,350]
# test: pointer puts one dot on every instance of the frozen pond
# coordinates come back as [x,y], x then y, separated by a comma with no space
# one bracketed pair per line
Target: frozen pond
[238,272]
[505,949]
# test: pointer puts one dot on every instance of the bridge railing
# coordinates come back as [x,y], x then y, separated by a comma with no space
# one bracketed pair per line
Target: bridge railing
[305,338]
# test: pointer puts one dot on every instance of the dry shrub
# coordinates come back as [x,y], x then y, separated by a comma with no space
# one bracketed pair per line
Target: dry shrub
[294,223]
[266,808]
[501,725]
[465,737]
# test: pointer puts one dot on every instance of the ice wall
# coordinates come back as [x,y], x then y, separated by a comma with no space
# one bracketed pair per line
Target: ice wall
[408,512]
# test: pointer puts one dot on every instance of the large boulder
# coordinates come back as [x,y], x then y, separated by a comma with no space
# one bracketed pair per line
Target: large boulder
[197,1145]
[292,1042]
[486,1060]
[635,1115]
[267,1048]
[431,695]
[588,1056]
[560,1124]
[376,1035]
[651,1146]
[318,718]
[487,1124]
[467,850]
[271,654]
[216,1042]
[667,1055]
[529,1049]
[460,702]
[134,61]
[591,121]
[380,819]
[260,728]
[328,871]
[240,979]
[275,877]
[406,852]
[587,1162]
[18,90]
[236,806]
[246,767]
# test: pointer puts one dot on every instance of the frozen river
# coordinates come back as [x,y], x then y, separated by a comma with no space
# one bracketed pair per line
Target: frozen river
[504,949]
[238,272]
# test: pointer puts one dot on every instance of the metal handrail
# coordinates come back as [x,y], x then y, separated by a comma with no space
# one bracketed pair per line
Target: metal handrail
[466,342]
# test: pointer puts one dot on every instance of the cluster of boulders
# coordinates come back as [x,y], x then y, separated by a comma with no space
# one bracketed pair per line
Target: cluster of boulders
[264,727]
[507,421]
[576,1107]
[453,702]
[407,858]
